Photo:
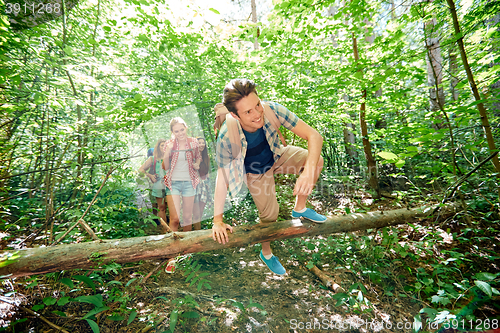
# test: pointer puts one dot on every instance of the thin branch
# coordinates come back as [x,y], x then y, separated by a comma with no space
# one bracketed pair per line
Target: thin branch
[464,177]
[80,220]
[33,313]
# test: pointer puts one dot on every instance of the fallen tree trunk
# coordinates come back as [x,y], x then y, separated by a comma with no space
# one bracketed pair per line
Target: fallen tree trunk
[160,247]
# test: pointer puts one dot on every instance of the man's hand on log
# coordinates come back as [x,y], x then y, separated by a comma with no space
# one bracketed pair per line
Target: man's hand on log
[219,232]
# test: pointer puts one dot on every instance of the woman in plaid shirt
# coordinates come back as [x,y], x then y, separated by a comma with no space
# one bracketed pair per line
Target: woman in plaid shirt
[181,160]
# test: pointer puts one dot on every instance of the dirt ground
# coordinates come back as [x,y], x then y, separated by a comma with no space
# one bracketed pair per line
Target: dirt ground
[296,302]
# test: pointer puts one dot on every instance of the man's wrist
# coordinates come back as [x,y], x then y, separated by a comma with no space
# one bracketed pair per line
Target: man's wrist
[220,222]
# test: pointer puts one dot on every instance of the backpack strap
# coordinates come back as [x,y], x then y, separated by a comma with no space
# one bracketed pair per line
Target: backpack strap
[222,115]
[181,150]
[234,135]
[271,116]
[152,168]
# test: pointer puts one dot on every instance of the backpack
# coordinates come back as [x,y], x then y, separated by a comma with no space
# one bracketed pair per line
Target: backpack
[222,114]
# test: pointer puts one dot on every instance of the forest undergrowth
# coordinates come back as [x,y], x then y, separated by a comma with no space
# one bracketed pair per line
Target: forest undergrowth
[435,274]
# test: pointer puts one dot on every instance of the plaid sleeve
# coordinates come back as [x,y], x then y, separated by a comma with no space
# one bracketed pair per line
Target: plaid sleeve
[223,155]
[287,118]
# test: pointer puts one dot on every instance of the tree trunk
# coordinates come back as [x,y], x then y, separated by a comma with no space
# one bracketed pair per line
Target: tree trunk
[480,106]
[371,164]
[495,51]
[434,66]
[254,20]
[453,74]
[91,254]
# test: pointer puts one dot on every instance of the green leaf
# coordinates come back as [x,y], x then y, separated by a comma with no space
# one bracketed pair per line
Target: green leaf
[255,305]
[114,282]
[309,265]
[194,281]
[190,276]
[387,155]
[63,301]
[95,311]
[173,320]
[430,312]
[239,305]
[131,316]
[59,313]
[116,317]
[96,300]
[485,276]
[129,282]
[417,323]
[400,163]
[38,307]
[68,282]
[190,314]
[49,301]
[93,326]
[88,281]
[484,286]
[214,10]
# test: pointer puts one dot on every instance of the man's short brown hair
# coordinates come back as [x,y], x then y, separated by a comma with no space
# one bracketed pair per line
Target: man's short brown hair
[235,90]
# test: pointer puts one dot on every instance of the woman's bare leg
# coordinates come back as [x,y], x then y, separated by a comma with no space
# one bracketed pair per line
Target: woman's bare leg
[198,214]
[162,214]
[174,203]
[187,212]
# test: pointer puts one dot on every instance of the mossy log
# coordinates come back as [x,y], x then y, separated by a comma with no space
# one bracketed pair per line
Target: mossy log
[90,254]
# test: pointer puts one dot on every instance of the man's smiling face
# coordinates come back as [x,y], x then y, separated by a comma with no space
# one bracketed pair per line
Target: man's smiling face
[250,113]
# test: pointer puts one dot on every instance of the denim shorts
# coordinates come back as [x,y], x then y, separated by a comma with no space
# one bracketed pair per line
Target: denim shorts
[182,187]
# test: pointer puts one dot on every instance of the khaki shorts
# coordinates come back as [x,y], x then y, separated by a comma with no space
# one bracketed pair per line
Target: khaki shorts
[263,188]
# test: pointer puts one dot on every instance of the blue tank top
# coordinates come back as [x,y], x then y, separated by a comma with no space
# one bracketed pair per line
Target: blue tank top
[259,157]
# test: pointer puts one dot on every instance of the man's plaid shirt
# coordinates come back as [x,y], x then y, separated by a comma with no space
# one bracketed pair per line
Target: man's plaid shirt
[224,156]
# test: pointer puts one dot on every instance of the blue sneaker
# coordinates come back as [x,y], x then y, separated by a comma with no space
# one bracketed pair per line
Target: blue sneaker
[273,264]
[310,215]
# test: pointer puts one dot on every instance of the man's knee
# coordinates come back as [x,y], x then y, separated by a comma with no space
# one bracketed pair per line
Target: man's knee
[270,212]
[269,217]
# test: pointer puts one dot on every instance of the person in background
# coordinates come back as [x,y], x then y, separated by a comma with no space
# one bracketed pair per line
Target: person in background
[152,199]
[154,172]
[203,189]
[181,160]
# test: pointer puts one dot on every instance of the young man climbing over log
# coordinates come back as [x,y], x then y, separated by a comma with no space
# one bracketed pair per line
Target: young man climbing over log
[259,156]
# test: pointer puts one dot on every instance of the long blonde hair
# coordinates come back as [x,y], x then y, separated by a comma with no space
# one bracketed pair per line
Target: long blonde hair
[175,121]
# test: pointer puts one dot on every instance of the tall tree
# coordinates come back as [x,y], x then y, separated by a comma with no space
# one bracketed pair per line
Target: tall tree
[254,20]
[370,160]
[470,77]
[434,61]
